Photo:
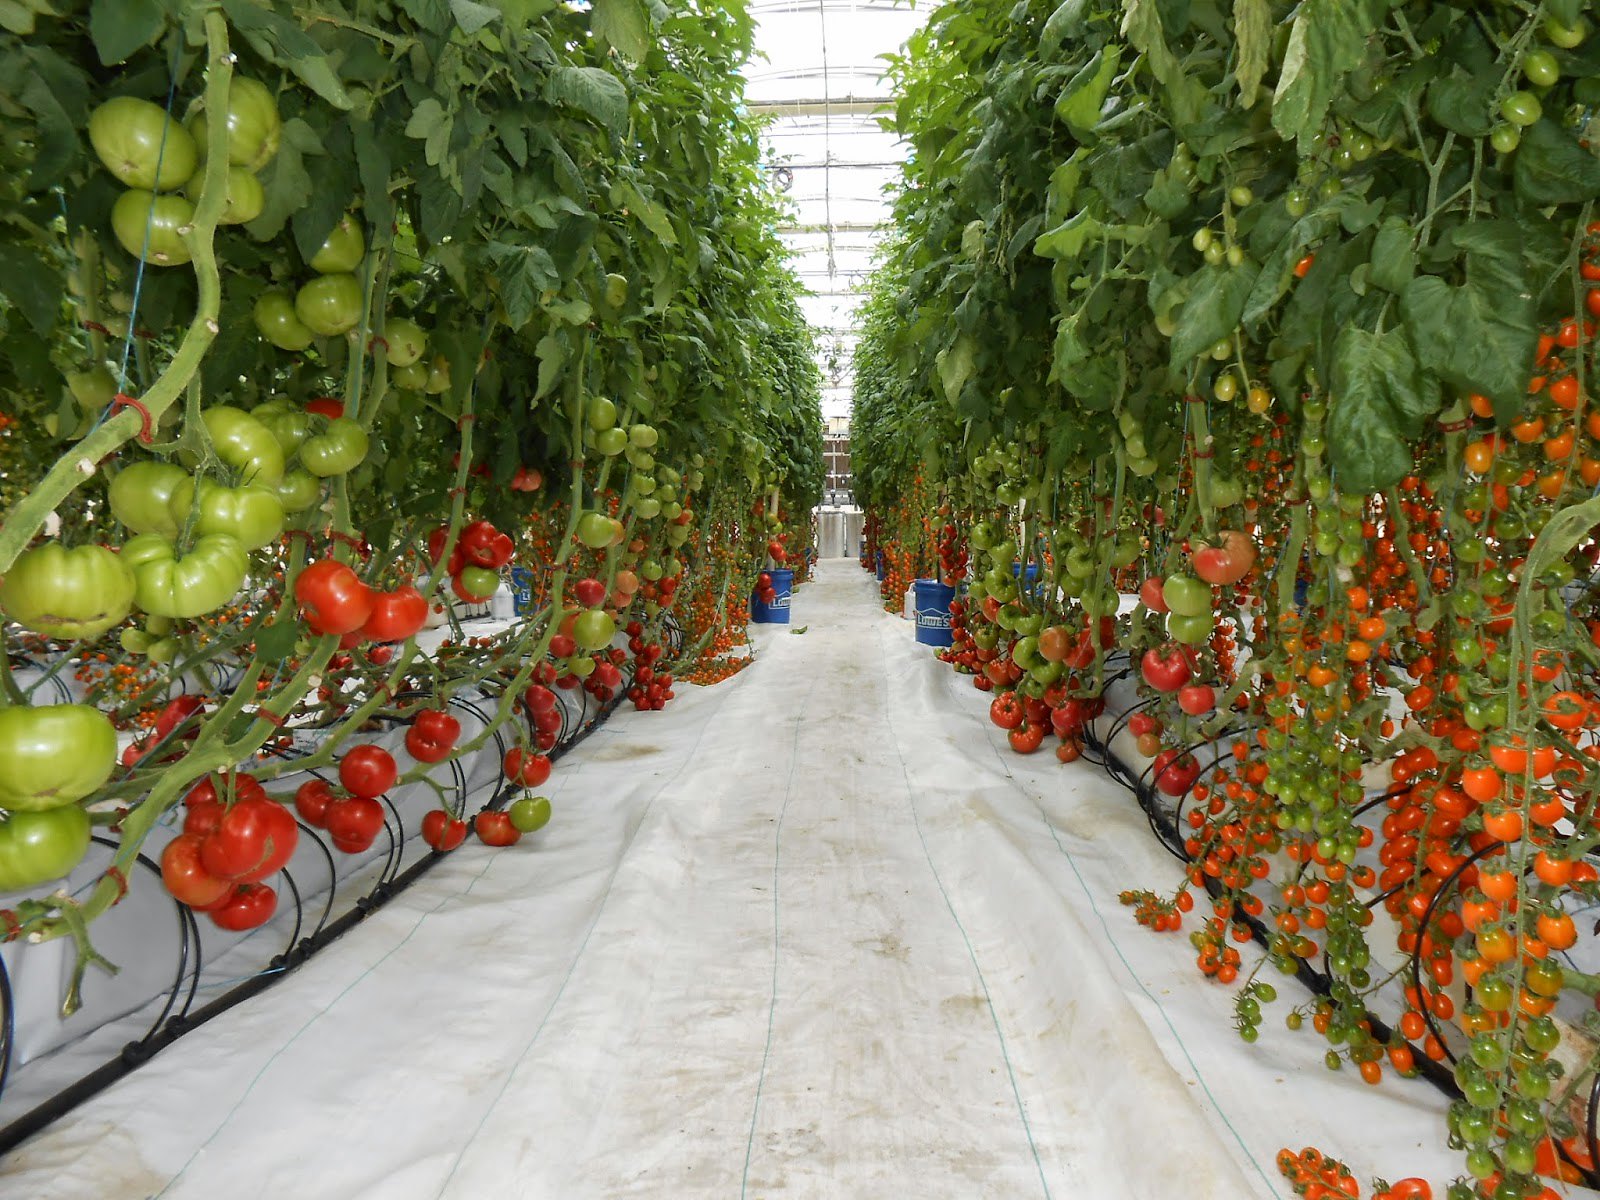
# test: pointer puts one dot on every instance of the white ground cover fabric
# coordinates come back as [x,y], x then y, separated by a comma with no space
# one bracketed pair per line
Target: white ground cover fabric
[813,933]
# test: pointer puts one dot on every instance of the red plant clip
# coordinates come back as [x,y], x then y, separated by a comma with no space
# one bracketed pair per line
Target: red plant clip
[115,872]
[146,426]
[96,327]
[465,419]
[13,926]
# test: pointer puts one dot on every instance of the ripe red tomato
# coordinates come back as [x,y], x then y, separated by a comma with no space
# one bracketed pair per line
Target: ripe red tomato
[186,878]
[395,615]
[432,735]
[250,907]
[442,831]
[496,829]
[1025,739]
[590,593]
[332,597]
[1165,671]
[530,770]
[1005,710]
[1175,772]
[252,840]
[1197,699]
[367,771]
[354,823]
[311,800]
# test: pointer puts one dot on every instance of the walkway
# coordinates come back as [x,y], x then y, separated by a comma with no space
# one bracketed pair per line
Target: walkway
[806,934]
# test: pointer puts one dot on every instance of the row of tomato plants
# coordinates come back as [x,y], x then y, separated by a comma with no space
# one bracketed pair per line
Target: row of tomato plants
[319,321]
[1261,340]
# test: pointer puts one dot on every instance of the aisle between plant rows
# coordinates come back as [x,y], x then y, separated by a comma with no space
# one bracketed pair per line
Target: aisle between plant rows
[940,997]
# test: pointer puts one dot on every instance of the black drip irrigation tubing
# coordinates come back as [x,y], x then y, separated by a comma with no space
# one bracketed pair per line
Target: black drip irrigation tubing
[137,1053]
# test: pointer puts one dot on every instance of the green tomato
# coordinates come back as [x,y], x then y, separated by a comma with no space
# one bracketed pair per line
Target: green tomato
[1540,68]
[582,666]
[199,582]
[289,423]
[243,443]
[529,814]
[330,304]
[406,341]
[254,127]
[601,413]
[140,496]
[410,379]
[438,376]
[648,508]
[245,195]
[341,252]
[276,321]
[1505,137]
[650,570]
[150,227]
[141,145]
[643,436]
[1191,631]
[252,513]
[594,629]
[1568,37]
[341,448]
[1521,108]
[135,641]
[1187,596]
[477,583]
[163,651]
[66,594]
[611,442]
[53,755]
[299,490]
[596,530]
[36,847]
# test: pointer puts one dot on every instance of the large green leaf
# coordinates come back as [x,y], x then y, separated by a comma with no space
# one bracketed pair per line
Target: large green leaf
[1325,45]
[285,179]
[1079,104]
[623,25]
[1480,336]
[1067,240]
[1381,398]
[280,41]
[120,27]
[1551,168]
[1212,312]
[32,286]
[592,91]
[956,363]
[1252,32]
[1460,102]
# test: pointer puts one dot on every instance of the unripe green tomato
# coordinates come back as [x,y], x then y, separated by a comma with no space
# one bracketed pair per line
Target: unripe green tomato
[611,442]
[1521,108]
[602,413]
[1215,254]
[643,436]
[1566,36]
[151,226]
[529,814]
[1540,68]
[1296,202]
[1202,239]
[1240,196]
[276,321]
[406,341]
[341,253]
[1505,137]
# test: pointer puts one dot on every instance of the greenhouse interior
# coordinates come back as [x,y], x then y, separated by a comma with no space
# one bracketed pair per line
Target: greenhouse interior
[814,599]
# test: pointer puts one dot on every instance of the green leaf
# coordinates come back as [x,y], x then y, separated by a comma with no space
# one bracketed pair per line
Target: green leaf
[275,641]
[1252,31]
[1551,168]
[1460,103]
[1277,268]
[1212,312]
[285,180]
[1481,336]
[32,286]
[1066,23]
[955,365]
[1142,26]
[282,42]
[120,27]
[1394,261]
[1066,241]
[1382,398]
[524,273]
[593,91]
[1078,106]
[472,16]
[653,217]
[1325,44]
[552,352]
[623,25]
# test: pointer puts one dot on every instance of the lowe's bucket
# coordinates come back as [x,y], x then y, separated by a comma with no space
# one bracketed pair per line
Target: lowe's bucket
[883,569]
[522,590]
[1030,577]
[933,612]
[776,613]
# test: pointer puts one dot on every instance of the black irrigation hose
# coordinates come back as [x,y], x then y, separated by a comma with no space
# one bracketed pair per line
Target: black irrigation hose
[162,1035]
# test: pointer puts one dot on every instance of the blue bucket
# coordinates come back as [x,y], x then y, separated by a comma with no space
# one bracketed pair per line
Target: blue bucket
[933,612]
[1030,580]
[883,571]
[776,613]
[522,590]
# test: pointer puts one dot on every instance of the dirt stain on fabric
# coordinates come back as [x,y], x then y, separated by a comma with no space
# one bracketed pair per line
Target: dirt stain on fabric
[623,751]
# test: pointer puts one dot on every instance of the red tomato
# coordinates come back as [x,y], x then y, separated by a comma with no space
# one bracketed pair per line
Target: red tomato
[186,878]
[1005,710]
[1175,772]
[367,771]
[311,800]
[1025,739]
[496,829]
[332,597]
[1197,699]
[1150,595]
[250,907]
[395,615]
[442,831]
[530,770]
[1165,671]
[354,823]
[432,735]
